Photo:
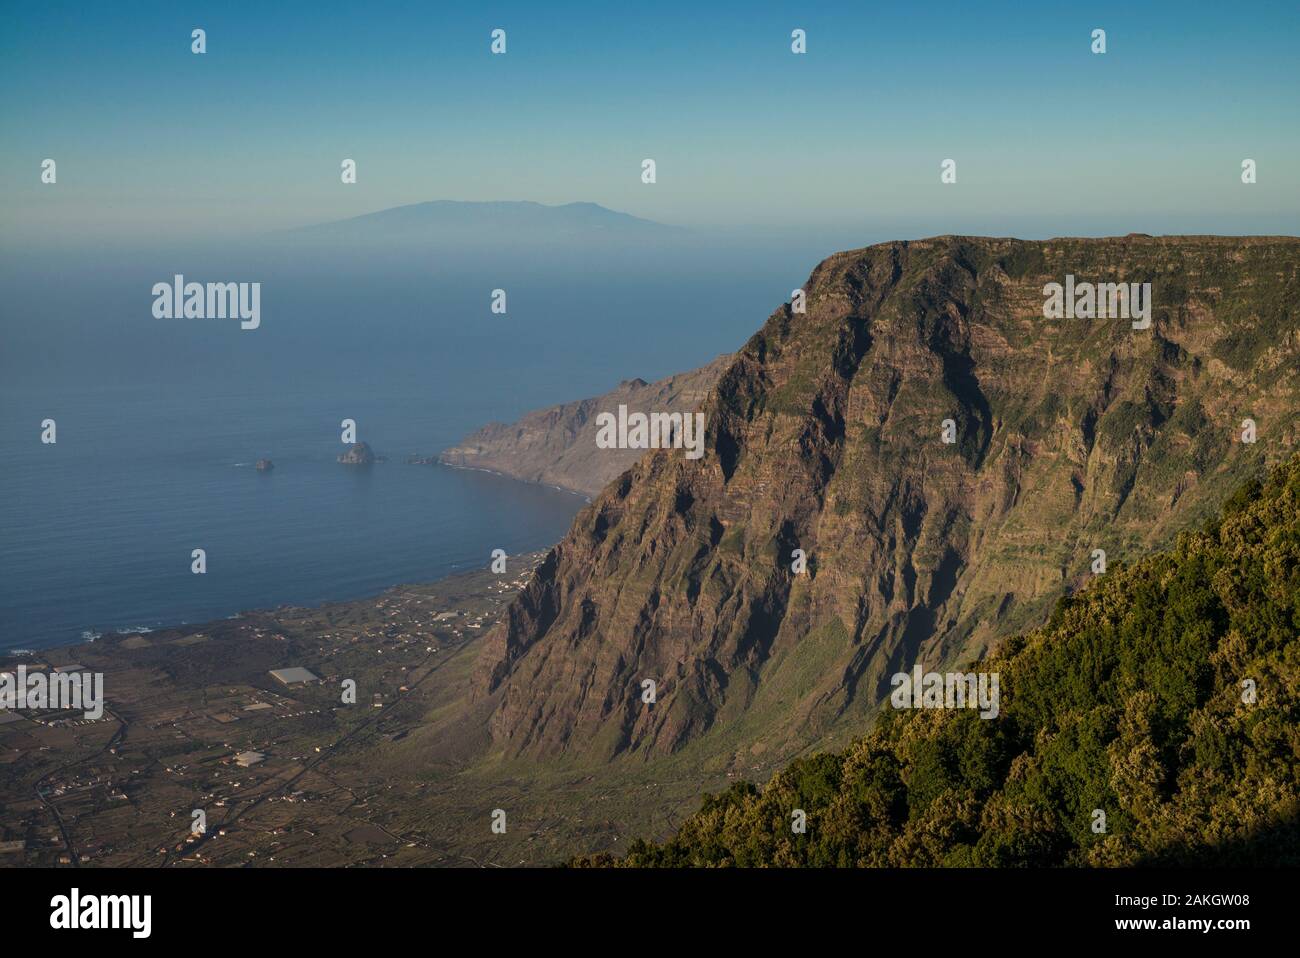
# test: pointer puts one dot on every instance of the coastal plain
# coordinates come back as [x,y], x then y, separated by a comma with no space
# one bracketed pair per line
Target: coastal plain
[290,774]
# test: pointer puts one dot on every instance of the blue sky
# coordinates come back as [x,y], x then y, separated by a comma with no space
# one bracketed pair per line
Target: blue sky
[152,140]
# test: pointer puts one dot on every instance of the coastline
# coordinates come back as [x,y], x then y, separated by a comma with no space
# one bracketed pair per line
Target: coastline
[116,636]
[506,475]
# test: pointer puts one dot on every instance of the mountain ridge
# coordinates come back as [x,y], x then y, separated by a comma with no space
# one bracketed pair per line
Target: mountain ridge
[823,435]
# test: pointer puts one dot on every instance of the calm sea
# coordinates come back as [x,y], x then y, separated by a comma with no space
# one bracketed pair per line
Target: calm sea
[159,422]
[99,528]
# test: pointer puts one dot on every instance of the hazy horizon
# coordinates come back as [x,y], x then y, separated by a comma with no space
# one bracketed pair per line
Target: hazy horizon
[154,142]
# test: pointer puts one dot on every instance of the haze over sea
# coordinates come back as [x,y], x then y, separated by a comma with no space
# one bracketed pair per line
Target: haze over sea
[384,320]
[160,421]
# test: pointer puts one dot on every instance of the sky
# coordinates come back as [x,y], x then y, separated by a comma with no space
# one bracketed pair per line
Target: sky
[153,141]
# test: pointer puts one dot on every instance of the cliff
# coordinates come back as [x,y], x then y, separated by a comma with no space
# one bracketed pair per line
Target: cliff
[1164,696]
[825,434]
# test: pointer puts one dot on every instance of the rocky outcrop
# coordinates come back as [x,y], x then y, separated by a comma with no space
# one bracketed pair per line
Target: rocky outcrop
[358,454]
[557,446]
[825,434]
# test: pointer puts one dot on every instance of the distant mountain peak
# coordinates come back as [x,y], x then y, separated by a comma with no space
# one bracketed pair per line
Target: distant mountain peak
[493,219]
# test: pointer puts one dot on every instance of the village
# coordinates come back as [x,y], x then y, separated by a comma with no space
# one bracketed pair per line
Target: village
[203,725]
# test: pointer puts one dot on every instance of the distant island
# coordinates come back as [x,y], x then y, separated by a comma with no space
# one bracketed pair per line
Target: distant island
[456,223]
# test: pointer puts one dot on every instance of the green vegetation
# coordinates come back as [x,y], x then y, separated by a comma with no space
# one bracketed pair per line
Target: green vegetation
[1131,699]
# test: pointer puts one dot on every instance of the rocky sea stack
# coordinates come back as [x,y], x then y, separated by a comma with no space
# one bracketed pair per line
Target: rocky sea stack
[359,455]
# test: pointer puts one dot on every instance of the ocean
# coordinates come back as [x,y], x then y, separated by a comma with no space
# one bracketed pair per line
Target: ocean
[159,422]
[99,528]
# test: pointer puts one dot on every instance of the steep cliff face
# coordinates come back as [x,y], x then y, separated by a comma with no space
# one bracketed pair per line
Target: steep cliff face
[557,445]
[825,434]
